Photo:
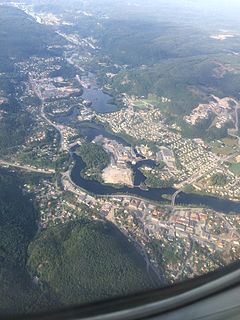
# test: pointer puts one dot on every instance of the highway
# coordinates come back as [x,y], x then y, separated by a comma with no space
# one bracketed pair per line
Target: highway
[26,168]
[43,114]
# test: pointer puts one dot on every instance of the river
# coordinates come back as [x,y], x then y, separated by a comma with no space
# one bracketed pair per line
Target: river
[100,102]
[153,194]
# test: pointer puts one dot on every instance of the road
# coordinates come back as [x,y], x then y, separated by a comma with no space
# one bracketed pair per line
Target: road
[43,114]
[236,124]
[26,168]
[199,175]
[174,196]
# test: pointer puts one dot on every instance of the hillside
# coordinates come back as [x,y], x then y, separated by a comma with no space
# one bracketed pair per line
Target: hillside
[172,78]
[18,225]
[86,261]
[21,37]
[76,263]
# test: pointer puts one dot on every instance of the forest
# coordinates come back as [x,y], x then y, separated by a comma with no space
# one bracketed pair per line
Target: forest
[75,263]
[95,159]
[14,129]
[21,37]
[18,226]
[85,261]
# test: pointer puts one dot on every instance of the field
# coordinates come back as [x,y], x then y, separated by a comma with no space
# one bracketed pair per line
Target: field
[235,168]
[225,147]
[151,100]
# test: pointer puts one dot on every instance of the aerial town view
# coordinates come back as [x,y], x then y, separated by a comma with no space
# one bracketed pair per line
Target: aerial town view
[110,144]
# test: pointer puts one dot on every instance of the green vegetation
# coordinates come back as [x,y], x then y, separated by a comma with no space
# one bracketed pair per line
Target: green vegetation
[18,225]
[155,39]
[18,220]
[15,128]
[170,78]
[235,168]
[153,181]
[169,252]
[225,147]
[160,165]
[63,162]
[21,37]
[86,261]
[219,179]
[204,129]
[189,189]
[95,158]
[78,262]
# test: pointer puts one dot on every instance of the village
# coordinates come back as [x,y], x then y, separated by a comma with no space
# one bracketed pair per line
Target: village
[190,240]
[222,109]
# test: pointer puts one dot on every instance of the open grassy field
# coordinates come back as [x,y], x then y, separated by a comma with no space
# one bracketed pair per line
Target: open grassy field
[235,168]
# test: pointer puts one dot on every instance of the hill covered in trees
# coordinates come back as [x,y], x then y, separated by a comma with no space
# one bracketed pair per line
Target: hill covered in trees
[85,261]
[18,226]
[95,159]
[171,78]
[74,263]
[21,37]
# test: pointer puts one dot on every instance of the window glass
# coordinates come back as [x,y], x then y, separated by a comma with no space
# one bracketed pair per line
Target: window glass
[119,147]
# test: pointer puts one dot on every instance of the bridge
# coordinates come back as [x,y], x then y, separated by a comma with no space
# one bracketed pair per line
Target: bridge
[175,196]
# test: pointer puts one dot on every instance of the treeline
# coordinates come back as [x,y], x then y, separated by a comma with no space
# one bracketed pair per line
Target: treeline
[18,220]
[203,129]
[146,41]
[153,181]
[75,263]
[171,78]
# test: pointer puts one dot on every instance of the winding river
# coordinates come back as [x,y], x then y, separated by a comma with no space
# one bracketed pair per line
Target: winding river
[100,103]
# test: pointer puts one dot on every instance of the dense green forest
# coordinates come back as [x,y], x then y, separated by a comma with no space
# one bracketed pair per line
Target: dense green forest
[154,41]
[18,226]
[153,181]
[18,220]
[83,261]
[15,128]
[171,78]
[21,37]
[77,262]
[95,158]
[17,123]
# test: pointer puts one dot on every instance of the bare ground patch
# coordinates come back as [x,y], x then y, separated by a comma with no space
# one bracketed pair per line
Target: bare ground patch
[115,175]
